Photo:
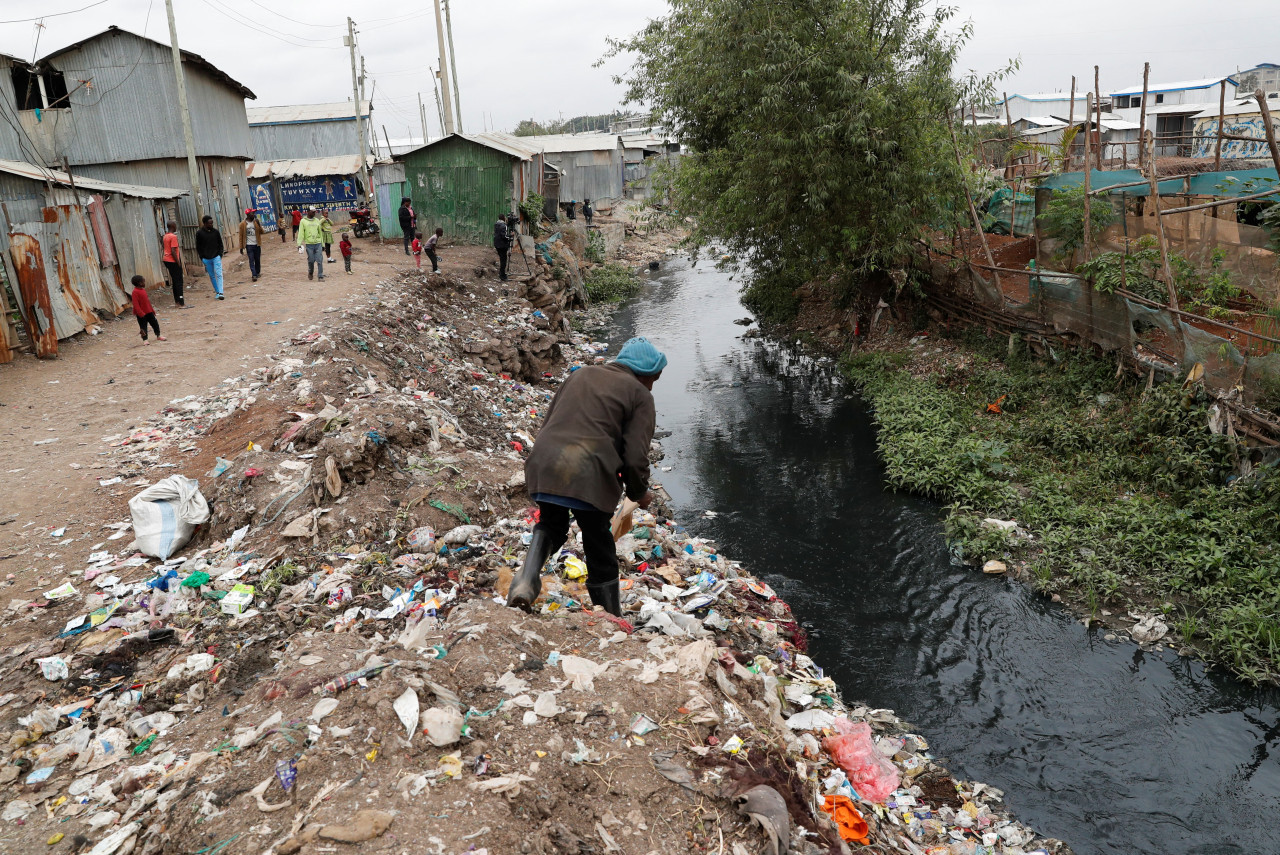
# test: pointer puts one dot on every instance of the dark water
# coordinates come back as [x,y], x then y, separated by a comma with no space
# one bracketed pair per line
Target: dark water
[1106,747]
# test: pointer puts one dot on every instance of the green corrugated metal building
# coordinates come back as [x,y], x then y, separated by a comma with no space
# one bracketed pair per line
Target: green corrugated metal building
[463,182]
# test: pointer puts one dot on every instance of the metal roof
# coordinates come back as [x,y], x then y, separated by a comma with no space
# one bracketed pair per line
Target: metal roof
[337,111]
[561,143]
[343,164]
[514,146]
[1179,86]
[1176,109]
[57,176]
[187,56]
[1042,121]
[1234,107]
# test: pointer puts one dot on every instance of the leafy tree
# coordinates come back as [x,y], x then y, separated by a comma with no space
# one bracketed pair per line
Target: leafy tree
[816,127]
[577,125]
[1063,218]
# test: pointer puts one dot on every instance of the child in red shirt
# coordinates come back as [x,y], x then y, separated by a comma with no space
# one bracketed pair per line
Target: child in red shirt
[417,248]
[143,311]
[344,246]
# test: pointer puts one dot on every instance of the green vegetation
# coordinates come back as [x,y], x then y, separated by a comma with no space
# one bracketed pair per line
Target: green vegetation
[611,283]
[596,248]
[1063,218]
[1130,498]
[817,131]
[1141,270]
[531,208]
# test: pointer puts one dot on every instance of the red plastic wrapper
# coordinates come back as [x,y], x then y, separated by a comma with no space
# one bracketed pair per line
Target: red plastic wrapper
[869,771]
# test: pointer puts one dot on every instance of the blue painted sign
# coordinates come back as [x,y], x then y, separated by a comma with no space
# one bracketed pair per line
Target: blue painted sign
[262,204]
[327,190]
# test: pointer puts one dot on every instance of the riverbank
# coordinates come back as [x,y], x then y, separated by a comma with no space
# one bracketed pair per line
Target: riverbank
[1128,504]
[367,511]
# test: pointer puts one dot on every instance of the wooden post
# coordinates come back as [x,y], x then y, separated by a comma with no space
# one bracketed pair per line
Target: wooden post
[973,211]
[1071,122]
[1268,127]
[1097,106]
[1142,120]
[1149,139]
[1088,253]
[1222,116]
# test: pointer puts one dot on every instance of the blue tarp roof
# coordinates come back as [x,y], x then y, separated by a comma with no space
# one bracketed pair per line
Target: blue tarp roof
[1240,182]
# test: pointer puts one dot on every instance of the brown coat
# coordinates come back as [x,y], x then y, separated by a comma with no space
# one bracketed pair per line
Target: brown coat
[595,439]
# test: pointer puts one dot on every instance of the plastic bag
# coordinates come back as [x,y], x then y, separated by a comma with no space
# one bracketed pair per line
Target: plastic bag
[870,773]
[166,514]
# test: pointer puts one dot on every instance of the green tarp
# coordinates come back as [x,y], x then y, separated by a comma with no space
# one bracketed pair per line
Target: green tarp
[1001,209]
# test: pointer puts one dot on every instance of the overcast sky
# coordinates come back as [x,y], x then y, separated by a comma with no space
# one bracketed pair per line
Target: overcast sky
[528,59]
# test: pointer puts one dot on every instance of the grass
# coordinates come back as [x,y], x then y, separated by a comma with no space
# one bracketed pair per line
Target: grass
[611,283]
[1132,501]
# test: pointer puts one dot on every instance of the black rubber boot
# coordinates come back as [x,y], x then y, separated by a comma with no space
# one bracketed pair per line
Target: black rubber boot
[527,584]
[608,596]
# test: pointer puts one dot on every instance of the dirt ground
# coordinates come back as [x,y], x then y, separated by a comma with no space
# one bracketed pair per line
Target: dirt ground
[109,384]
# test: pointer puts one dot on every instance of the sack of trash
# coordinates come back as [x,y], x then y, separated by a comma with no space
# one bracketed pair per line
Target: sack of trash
[165,515]
[873,776]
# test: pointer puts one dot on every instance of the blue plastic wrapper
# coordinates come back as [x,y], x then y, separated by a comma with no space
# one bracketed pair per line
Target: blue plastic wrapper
[287,773]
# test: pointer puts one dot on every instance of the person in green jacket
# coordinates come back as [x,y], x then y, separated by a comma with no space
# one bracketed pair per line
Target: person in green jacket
[326,226]
[311,236]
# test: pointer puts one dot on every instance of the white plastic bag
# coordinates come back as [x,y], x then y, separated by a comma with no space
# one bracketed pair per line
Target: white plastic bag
[166,514]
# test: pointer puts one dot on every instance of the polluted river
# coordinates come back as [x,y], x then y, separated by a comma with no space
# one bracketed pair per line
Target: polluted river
[1100,744]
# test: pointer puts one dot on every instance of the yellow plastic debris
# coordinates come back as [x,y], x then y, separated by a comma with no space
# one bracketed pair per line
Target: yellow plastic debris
[57,838]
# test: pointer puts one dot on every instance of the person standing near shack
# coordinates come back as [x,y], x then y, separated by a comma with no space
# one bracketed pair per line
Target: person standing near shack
[433,244]
[326,227]
[408,222]
[250,235]
[311,236]
[587,211]
[502,243]
[593,447]
[210,249]
[295,217]
[172,258]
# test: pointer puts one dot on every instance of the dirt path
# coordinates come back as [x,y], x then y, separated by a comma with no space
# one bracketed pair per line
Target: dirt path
[107,384]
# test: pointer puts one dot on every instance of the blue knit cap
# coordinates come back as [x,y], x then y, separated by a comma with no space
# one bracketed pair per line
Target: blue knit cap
[642,357]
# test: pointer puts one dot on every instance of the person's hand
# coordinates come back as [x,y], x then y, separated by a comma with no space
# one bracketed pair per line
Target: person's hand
[646,500]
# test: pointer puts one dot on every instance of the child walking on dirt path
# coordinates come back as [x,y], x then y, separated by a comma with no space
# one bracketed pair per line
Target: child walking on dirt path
[417,249]
[143,310]
[326,228]
[433,243]
[344,246]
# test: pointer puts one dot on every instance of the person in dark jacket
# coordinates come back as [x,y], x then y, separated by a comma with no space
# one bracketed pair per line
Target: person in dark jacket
[502,243]
[587,211]
[592,448]
[209,248]
[408,222]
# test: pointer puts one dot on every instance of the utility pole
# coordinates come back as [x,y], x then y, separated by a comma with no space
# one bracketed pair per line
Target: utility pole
[453,65]
[193,172]
[422,115]
[436,89]
[369,195]
[449,126]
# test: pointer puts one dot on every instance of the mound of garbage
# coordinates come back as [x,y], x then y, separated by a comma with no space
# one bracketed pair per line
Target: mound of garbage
[306,648]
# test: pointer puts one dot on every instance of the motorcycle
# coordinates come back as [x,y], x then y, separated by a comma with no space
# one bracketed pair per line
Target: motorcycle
[363,224]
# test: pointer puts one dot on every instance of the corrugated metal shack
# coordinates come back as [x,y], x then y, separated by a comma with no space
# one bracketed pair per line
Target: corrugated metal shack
[641,153]
[68,255]
[304,131]
[591,165]
[331,182]
[122,124]
[390,188]
[462,182]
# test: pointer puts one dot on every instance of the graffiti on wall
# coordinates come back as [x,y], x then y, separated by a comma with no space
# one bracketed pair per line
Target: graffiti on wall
[1245,126]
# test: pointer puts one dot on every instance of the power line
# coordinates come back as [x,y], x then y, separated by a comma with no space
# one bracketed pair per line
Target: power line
[295,20]
[230,16]
[53,14]
[221,4]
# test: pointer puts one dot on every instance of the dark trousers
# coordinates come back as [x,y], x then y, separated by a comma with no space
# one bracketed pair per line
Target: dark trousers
[144,320]
[597,538]
[255,260]
[346,259]
[408,239]
[327,250]
[284,237]
[502,261]
[175,279]
[435,260]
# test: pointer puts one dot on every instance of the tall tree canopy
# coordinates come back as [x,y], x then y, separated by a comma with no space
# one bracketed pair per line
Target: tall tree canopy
[817,128]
